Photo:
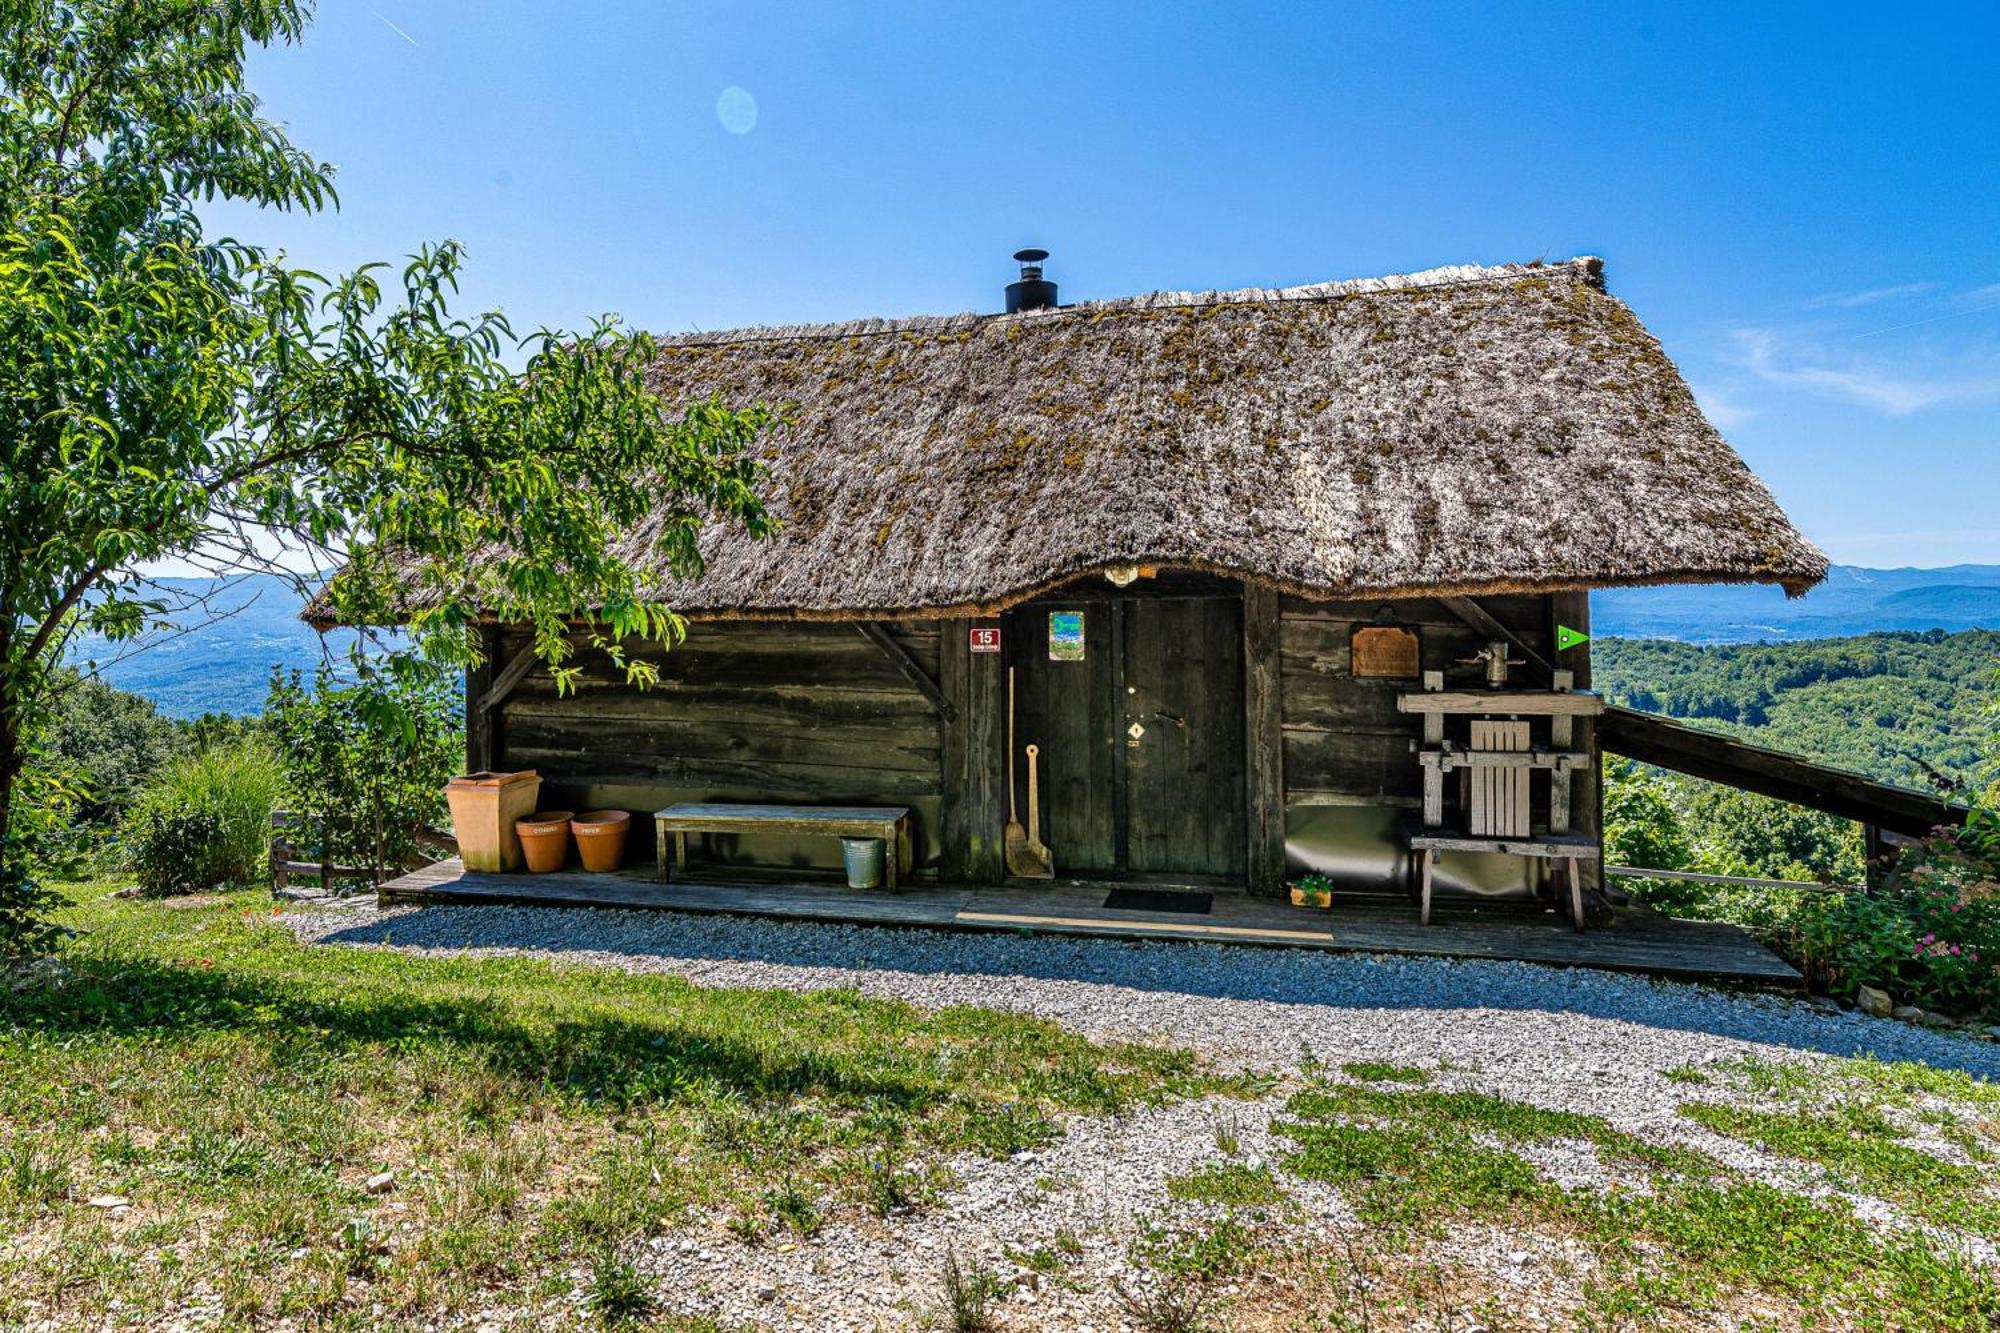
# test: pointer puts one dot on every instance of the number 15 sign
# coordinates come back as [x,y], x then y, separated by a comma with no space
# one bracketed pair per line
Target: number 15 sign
[985,639]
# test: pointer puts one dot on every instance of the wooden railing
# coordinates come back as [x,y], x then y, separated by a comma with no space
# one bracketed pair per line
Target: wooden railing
[1736,881]
[1786,777]
[286,865]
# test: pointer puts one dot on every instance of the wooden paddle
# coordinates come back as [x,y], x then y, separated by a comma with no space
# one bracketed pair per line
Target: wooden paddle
[1015,840]
[1034,853]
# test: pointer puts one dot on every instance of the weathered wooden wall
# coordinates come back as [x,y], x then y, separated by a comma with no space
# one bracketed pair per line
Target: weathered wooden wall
[1349,771]
[751,711]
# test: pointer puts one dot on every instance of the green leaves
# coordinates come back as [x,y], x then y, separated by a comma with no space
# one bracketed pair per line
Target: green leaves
[163,394]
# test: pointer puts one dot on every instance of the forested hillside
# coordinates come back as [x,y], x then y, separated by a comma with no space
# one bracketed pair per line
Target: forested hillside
[1907,707]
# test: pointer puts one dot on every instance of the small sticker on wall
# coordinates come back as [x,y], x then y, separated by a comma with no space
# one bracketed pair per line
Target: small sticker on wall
[1065,636]
[985,639]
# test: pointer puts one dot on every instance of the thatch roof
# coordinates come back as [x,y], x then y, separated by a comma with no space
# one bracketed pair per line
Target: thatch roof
[1460,431]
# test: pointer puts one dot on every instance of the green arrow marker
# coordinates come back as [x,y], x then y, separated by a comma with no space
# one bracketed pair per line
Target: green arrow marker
[1567,638]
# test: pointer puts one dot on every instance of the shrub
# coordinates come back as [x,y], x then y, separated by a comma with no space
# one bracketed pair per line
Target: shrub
[353,751]
[205,819]
[1931,936]
[173,850]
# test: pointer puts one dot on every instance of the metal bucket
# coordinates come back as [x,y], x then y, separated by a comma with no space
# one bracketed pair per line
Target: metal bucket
[863,857]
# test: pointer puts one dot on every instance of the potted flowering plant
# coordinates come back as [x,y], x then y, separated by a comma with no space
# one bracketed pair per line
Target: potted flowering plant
[1314,890]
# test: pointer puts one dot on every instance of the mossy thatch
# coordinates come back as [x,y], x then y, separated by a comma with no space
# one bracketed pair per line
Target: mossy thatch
[1460,431]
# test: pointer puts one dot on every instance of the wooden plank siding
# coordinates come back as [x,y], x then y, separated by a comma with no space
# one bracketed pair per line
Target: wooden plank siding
[743,711]
[1346,744]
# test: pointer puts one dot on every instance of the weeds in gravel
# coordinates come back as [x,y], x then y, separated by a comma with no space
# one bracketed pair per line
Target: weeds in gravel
[1865,1152]
[969,1291]
[620,1296]
[1699,1234]
[1169,1302]
[1228,1183]
[1206,1251]
[791,1206]
[239,1087]
[891,1189]
[1224,1129]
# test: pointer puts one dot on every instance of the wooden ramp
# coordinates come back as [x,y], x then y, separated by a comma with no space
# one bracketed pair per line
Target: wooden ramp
[1636,940]
[1785,777]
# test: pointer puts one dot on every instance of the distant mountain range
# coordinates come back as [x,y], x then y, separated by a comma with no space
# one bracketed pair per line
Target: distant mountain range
[223,668]
[1853,600]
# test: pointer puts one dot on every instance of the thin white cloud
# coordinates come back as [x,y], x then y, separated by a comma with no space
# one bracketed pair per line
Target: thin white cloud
[1868,296]
[392,27]
[1721,406]
[1854,380]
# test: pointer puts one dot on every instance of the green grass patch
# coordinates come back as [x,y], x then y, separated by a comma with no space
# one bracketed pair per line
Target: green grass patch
[240,1087]
[1228,1183]
[1695,1238]
[1865,1152]
[1374,1071]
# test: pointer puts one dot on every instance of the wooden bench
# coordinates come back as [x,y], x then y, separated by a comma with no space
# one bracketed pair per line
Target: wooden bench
[1426,843]
[890,823]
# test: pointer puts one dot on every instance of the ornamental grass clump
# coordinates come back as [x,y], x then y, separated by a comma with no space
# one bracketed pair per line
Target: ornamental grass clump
[205,819]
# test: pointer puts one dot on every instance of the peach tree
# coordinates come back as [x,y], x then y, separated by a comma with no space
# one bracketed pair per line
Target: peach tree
[166,394]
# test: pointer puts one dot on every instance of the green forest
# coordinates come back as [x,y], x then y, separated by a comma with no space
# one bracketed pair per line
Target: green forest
[1920,709]
[1913,708]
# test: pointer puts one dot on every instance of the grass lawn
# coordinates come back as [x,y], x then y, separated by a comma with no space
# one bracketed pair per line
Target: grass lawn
[241,1090]
[193,1122]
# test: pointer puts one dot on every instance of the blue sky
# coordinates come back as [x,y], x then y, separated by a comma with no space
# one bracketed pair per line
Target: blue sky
[1801,201]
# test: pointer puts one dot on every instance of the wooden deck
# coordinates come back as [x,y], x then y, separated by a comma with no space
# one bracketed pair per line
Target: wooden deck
[1637,940]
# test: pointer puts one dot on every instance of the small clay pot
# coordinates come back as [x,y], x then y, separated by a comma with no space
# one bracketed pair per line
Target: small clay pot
[544,840]
[1302,897]
[600,838]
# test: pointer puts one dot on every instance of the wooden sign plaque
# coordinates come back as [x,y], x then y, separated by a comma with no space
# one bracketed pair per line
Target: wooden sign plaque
[1385,652]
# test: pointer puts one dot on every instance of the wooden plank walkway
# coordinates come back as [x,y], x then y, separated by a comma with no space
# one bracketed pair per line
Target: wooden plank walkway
[1637,939]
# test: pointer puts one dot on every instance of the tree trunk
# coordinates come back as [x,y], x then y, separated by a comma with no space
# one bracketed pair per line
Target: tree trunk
[12,760]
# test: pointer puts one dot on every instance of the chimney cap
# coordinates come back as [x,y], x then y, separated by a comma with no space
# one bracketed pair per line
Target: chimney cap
[1032,292]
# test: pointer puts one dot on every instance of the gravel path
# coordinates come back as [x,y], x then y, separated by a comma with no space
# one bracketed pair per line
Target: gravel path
[1578,1040]
[1575,1038]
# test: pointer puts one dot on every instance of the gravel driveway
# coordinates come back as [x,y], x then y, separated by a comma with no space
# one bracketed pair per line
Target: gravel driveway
[1575,1038]
[1579,1040]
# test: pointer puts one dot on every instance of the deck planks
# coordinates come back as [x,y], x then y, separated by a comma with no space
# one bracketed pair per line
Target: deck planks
[1637,940]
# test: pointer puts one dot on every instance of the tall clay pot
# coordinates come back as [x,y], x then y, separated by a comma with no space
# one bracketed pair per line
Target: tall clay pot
[545,840]
[600,838]
[484,809]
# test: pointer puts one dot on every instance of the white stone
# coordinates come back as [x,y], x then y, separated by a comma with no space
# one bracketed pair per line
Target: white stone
[381,1182]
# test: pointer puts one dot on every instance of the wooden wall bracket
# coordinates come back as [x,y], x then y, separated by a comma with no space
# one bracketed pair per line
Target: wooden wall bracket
[912,669]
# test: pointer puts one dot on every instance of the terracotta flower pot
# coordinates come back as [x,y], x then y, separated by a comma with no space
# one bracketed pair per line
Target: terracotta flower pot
[544,840]
[600,838]
[484,808]
[1303,897]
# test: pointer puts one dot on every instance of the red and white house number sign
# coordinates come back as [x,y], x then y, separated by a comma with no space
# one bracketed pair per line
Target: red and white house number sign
[985,640]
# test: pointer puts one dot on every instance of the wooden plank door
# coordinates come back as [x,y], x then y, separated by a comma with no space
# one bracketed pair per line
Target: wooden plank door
[1067,708]
[1181,735]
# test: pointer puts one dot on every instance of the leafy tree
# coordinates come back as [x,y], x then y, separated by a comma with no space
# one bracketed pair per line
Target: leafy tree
[107,740]
[1642,827]
[352,777]
[164,393]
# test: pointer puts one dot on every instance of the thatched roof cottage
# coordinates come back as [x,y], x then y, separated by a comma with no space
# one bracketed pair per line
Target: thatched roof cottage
[1178,511]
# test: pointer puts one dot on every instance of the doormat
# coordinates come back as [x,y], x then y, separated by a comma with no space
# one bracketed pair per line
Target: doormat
[1160,900]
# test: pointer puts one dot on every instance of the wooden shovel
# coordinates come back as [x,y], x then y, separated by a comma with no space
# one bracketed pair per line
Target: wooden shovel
[1035,855]
[1015,840]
